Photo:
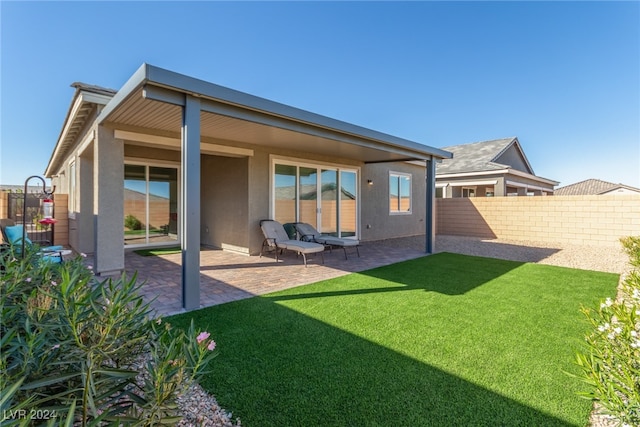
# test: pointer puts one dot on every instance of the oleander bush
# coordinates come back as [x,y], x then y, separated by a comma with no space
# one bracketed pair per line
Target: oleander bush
[75,350]
[611,363]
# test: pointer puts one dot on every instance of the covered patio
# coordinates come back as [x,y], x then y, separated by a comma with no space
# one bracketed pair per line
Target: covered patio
[227,276]
[171,159]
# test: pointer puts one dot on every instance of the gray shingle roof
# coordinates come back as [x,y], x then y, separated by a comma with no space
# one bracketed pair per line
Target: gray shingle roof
[476,156]
[590,187]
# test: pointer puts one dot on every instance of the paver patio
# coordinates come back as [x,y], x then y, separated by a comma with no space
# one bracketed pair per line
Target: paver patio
[227,276]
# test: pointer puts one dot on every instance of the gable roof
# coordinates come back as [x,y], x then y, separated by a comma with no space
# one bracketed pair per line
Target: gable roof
[85,99]
[591,187]
[481,156]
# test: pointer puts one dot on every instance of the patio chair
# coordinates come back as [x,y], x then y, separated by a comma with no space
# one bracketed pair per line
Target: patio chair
[277,238]
[12,235]
[309,234]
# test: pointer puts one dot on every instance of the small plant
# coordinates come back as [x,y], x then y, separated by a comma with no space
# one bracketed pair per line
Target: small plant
[81,351]
[132,223]
[611,364]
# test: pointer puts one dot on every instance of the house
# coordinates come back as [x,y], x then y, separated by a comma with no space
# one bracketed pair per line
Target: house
[596,187]
[211,162]
[489,168]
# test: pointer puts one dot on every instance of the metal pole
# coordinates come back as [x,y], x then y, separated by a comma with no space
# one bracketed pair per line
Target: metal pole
[24,206]
[430,205]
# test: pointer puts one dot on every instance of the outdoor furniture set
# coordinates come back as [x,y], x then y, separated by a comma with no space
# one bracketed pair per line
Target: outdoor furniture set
[310,241]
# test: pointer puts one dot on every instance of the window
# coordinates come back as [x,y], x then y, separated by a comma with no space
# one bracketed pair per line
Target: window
[150,204]
[324,196]
[399,193]
[468,192]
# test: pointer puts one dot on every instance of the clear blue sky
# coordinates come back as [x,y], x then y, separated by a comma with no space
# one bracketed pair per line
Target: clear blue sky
[564,77]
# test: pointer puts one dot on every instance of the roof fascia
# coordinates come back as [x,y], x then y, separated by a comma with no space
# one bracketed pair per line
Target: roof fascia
[463,174]
[81,97]
[536,177]
[151,75]
[135,81]
[497,171]
[618,187]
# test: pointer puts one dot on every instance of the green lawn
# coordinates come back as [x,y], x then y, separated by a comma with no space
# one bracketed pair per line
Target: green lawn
[159,251]
[442,340]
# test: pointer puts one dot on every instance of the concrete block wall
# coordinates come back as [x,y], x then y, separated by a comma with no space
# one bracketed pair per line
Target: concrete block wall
[61,213]
[590,220]
[4,204]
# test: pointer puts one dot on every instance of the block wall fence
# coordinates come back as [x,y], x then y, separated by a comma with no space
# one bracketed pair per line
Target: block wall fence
[61,213]
[588,220]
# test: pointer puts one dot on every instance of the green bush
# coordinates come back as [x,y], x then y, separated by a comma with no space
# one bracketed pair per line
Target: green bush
[79,351]
[611,363]
[132,223]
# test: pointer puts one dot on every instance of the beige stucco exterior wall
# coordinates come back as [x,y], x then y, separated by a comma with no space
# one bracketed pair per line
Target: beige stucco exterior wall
[377,222]
[597,220]
[224,202]
[108,201]
[235,195]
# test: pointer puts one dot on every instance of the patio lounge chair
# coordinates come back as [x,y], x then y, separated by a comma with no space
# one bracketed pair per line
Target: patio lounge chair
[309,234]
[276,237]
[12,234]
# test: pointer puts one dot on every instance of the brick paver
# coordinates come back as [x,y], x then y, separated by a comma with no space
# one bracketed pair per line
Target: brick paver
[226,276]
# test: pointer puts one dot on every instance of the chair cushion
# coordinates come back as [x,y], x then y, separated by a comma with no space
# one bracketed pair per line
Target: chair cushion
[14,234]
[274,230]
[336,241]
[300,246]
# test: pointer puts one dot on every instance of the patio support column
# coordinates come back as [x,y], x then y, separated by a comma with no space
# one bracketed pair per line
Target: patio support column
[430,232]
[190,198]
[108,202]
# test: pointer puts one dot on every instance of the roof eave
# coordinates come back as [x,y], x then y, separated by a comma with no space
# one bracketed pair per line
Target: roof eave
[80,98]
[149,74]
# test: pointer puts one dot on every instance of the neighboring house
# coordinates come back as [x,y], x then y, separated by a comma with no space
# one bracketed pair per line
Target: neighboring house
[225,160]
[489,168]
[596,187]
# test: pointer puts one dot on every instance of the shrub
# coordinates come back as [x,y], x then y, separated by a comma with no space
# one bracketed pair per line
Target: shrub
[132,223]
[83,351]
[611,364]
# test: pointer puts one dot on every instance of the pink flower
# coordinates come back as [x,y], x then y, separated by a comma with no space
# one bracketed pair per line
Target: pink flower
[211,346]
[90,267]
[203,336]
[55,347]
[28,280]
[54,283]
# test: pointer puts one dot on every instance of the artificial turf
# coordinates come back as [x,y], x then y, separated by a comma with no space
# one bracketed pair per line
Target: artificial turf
[159,251]
[442,340]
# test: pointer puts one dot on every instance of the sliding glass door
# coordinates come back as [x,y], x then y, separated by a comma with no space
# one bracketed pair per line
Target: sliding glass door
[325,197]
[150,204]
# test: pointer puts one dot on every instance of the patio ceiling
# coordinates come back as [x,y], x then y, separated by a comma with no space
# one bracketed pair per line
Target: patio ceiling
[151,103]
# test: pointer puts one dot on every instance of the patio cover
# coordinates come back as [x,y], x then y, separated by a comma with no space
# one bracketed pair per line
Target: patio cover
[184,111]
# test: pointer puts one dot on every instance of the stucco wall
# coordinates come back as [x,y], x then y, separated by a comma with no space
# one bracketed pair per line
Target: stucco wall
[224,202]
[598,220]
[376,221]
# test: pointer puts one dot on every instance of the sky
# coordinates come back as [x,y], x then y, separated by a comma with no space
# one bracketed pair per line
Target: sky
[564,77]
